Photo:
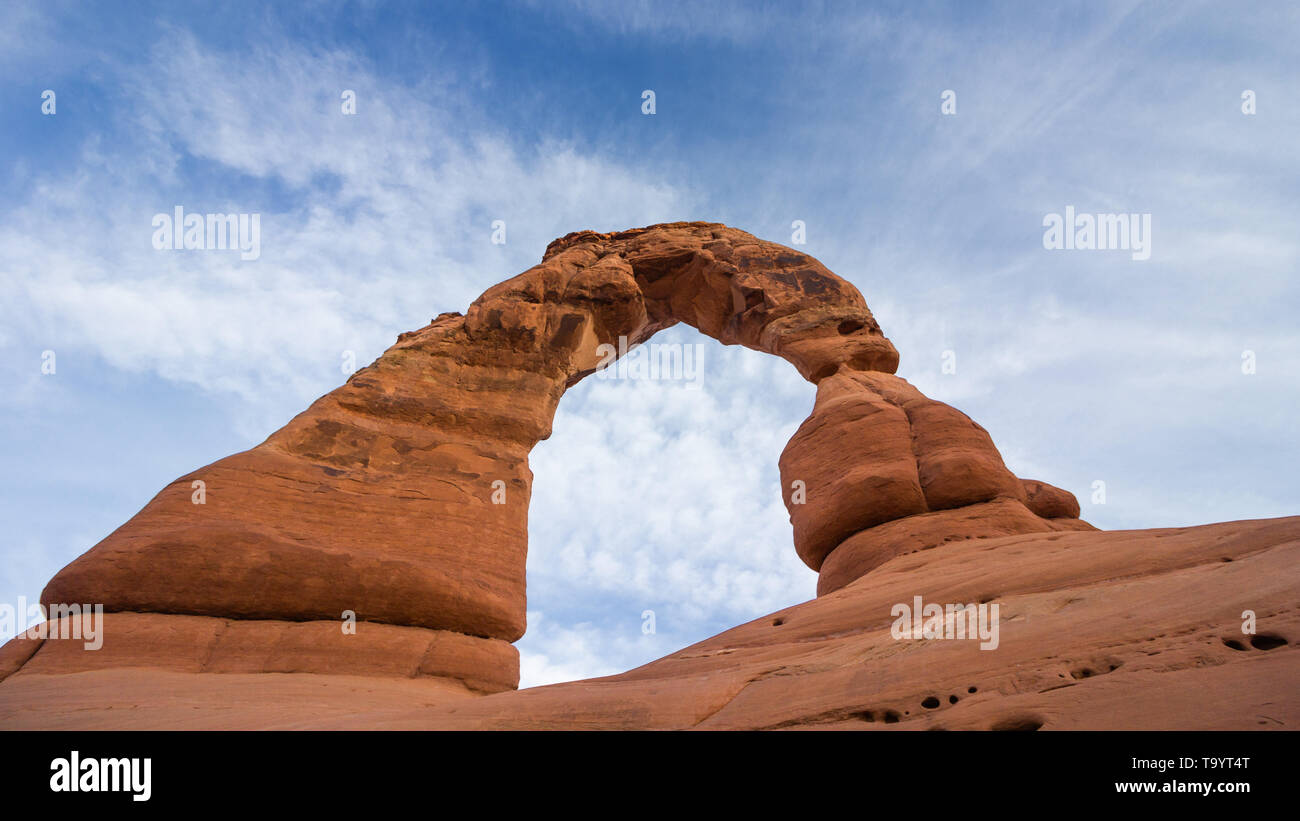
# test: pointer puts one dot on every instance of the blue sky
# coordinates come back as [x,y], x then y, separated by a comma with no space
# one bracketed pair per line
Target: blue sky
[1083,365]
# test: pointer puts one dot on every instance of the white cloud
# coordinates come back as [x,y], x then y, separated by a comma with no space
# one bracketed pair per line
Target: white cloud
[649,495]
[370,224]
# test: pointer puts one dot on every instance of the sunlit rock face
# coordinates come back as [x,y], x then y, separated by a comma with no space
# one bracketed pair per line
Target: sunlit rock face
[401,498]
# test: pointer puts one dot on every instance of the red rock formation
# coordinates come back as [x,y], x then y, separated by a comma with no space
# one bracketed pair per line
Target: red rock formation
[1113,630]
[402,496]
[1050,502]
[885,470]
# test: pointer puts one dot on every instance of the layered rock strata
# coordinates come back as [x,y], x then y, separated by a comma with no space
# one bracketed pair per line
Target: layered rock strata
[1097,631]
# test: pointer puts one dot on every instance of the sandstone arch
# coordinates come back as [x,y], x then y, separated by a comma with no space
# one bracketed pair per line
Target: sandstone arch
[378,498]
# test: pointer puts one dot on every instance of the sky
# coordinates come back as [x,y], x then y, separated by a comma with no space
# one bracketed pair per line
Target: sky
[921,145]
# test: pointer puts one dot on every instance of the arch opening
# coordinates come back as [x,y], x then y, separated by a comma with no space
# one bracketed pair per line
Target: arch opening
[656,519]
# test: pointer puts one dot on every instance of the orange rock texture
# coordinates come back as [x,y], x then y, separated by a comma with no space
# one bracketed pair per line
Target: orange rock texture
[402,498]
[1098,630]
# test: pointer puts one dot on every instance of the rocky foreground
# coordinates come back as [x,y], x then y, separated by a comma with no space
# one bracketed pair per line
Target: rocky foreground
[401,497]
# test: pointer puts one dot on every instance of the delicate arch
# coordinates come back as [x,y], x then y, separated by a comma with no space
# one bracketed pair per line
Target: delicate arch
[403,494]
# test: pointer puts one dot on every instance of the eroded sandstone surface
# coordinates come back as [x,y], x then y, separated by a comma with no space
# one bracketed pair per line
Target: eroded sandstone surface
[402,497]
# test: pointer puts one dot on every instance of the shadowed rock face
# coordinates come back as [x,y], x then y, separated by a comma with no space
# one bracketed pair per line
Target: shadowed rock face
[403,495]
